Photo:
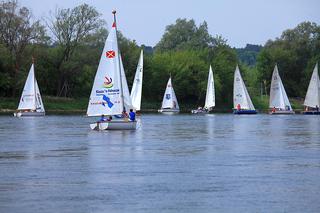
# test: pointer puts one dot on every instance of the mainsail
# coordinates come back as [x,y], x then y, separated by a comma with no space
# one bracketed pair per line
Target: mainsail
[106,95]
[313,93]
[136,91]
[169,99]
[240,93]
[31,97]
[210,94]
[278,95]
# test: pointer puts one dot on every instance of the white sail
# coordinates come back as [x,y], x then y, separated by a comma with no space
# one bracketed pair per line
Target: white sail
[136,91]
[169,99]
[278,95]
[210,94]
[313,93]
[39,103]
[106,94]
[240,93]
[28,98]
[125,89]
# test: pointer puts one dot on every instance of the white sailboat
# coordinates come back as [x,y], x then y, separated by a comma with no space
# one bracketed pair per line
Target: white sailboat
[110,94]
[210,101]
[30,102]
[279,102]
[312,100]
[242,103]
[169,102]
[136,91]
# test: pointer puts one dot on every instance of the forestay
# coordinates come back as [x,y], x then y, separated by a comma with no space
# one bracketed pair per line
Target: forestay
[240,93]
[169,98]
[106,94]
[136,91]
[313,93]
[278,95]
[210,94]
[125,89]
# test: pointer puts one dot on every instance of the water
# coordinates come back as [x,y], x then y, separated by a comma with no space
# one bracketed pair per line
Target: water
[183,163]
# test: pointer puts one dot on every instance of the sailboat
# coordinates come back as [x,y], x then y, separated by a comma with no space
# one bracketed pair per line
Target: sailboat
[136,91]
[169,103]
[30,102]
[279,102]
[242,103]
[110,94]
[312,101]
[210,96]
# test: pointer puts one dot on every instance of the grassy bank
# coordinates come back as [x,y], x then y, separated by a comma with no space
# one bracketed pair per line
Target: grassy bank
[79,105]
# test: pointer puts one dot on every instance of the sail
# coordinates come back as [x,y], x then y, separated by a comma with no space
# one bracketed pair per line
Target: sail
[240,93]
[39,103]
[313,93]
[125,89]
[169,99]
[28,100]
[278,95]
[136,91]
[106,93]
[210,95]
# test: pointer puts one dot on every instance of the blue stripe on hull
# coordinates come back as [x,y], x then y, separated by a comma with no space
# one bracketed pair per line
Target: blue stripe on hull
[242,112]
[311,112]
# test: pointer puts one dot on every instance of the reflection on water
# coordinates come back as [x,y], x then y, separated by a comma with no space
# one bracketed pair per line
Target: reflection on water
[180,163]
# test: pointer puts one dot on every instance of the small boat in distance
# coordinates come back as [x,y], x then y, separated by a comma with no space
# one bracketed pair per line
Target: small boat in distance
[312,101]
[279,102]
[210,96]
[110,94]
[136,91]
[242,103]
[30,102]
[169,103]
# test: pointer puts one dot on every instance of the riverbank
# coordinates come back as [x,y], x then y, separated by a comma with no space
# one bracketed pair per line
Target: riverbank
[58,105]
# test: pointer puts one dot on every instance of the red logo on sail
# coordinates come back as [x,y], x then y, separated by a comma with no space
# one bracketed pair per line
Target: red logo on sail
[111,54]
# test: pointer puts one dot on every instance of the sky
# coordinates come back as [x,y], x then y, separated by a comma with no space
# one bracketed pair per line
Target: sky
[238,21]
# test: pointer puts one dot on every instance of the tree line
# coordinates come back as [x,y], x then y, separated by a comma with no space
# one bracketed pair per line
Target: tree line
[67,46]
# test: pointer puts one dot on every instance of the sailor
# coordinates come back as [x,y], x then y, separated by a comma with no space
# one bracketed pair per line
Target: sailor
[132,115]
[238,107]
[317,108]
[274,109]
[110,118]
[102,119]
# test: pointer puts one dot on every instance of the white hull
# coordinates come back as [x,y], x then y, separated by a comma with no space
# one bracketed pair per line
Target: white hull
[199,111]
[28,114]
[283,112]
[169,111]
[114,125]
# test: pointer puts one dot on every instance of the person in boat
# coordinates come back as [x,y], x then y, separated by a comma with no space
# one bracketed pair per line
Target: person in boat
[273,109]
[238,107]
[317,108]
[132,115]
[102,119]
[110,118]
[287,108]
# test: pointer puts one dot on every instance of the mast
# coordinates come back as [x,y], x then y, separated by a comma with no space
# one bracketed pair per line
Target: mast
[119,64]
[34,85]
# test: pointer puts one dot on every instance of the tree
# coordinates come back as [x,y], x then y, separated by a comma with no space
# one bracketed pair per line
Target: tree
[17,30]
[184,35]
[70,27]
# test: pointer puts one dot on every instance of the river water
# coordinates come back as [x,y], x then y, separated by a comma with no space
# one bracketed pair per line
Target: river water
[181,163]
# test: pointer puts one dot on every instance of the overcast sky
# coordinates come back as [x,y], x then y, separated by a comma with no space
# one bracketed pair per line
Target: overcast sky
[239,21]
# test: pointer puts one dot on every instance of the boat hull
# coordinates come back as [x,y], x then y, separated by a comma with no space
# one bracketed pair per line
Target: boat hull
[29,114]
[311,112]
[244,112]
[114,125]
[197,111]
[169,111]
[283,112]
